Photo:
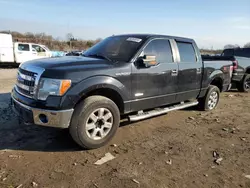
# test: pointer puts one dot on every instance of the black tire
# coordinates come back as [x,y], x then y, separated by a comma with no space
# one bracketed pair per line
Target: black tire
[204,102]
[81,115]
[244,86]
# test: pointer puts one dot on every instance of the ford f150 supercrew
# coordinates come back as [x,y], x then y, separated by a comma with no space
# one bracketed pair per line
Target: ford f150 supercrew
[137,76]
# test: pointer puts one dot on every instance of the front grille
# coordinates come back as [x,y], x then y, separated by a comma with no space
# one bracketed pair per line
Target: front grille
[26,82]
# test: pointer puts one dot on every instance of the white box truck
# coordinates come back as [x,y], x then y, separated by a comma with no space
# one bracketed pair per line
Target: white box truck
[19,52]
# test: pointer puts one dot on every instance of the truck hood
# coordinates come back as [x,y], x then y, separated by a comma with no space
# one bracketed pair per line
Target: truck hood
[68,63]
[75,68]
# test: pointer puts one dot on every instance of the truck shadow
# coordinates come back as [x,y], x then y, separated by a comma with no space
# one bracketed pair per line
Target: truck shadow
[17,136]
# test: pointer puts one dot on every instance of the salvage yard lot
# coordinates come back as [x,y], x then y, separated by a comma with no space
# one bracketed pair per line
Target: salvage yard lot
[173,150]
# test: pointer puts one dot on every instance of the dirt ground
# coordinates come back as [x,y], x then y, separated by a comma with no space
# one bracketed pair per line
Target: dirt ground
[174,150]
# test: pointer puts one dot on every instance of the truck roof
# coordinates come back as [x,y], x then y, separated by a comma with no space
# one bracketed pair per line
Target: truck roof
[156,36]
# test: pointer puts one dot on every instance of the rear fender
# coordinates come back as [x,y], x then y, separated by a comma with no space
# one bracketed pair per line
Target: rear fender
[215,75]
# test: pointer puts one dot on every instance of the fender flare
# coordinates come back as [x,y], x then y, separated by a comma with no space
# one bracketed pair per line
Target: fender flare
[214,75]
[81,89]
[247,70]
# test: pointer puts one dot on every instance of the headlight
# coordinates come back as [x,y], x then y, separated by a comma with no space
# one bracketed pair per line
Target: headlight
[55,87]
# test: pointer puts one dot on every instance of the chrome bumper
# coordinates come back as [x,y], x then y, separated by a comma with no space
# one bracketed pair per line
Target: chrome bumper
[50,118]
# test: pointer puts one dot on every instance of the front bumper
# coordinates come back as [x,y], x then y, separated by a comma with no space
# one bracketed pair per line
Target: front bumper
[51,118]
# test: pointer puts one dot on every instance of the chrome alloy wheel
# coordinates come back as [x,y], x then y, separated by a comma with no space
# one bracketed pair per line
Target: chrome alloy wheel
[213,100]
[99,123]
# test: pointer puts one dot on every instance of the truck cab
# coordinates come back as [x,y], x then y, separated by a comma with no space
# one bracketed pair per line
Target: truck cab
[29,51]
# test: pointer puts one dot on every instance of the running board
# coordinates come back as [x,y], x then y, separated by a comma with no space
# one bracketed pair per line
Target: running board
[160,111]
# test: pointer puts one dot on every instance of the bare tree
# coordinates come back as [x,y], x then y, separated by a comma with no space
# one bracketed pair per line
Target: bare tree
[247,45]
[69,36]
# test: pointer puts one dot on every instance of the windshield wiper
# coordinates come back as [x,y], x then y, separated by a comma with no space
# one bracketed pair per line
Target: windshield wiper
[99,56]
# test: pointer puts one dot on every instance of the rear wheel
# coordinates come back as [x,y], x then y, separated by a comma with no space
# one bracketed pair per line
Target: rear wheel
[94,122]
[211,100]
[244,86]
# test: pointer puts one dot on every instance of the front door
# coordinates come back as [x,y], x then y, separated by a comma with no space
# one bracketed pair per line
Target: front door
[190,72]
[41,52]
[156,85]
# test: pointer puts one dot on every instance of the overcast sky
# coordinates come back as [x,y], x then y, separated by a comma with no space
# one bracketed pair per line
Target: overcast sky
[211,23]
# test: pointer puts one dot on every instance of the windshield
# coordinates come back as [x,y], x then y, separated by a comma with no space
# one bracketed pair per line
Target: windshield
[116,48]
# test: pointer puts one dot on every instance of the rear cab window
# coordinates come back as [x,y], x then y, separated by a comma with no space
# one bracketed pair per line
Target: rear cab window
[23,47]
[187,52]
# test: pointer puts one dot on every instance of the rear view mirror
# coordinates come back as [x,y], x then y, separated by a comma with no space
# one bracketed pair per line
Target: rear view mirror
[149,61]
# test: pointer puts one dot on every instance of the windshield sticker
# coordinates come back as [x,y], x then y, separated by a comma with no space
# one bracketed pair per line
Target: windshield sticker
[134,39]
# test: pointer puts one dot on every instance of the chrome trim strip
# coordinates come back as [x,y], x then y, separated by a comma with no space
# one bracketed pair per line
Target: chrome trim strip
[26,77]
[175,50]
[16,88]
[27,88]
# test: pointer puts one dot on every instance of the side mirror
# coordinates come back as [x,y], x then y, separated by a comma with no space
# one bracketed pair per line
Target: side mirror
[149,60]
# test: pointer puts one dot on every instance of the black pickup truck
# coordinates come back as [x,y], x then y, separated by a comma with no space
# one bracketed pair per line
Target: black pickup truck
[240,58]
[241,70]
[136,76]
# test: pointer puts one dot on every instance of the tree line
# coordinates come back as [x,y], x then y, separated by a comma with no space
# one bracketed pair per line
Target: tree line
[247,45]
[71,43]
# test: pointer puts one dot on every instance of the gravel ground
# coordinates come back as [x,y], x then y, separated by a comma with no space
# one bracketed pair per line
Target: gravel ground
[174,150]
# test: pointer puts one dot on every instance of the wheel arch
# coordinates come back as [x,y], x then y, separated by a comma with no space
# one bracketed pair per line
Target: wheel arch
[104,86]
[216,79]
[248,70]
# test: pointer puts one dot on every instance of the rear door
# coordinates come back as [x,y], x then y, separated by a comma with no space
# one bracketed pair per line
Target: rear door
[23,52]
[190,71]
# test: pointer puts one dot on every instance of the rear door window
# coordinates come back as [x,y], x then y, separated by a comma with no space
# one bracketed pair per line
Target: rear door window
[187,52]
[23,47]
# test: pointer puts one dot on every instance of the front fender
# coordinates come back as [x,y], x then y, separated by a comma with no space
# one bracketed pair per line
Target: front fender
[80,90]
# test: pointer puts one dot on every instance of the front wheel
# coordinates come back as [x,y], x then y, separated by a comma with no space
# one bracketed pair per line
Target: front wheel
[244,86]
[211,100]
[94,122]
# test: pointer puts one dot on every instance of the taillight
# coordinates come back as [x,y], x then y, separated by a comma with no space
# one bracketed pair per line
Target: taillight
[235,64]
